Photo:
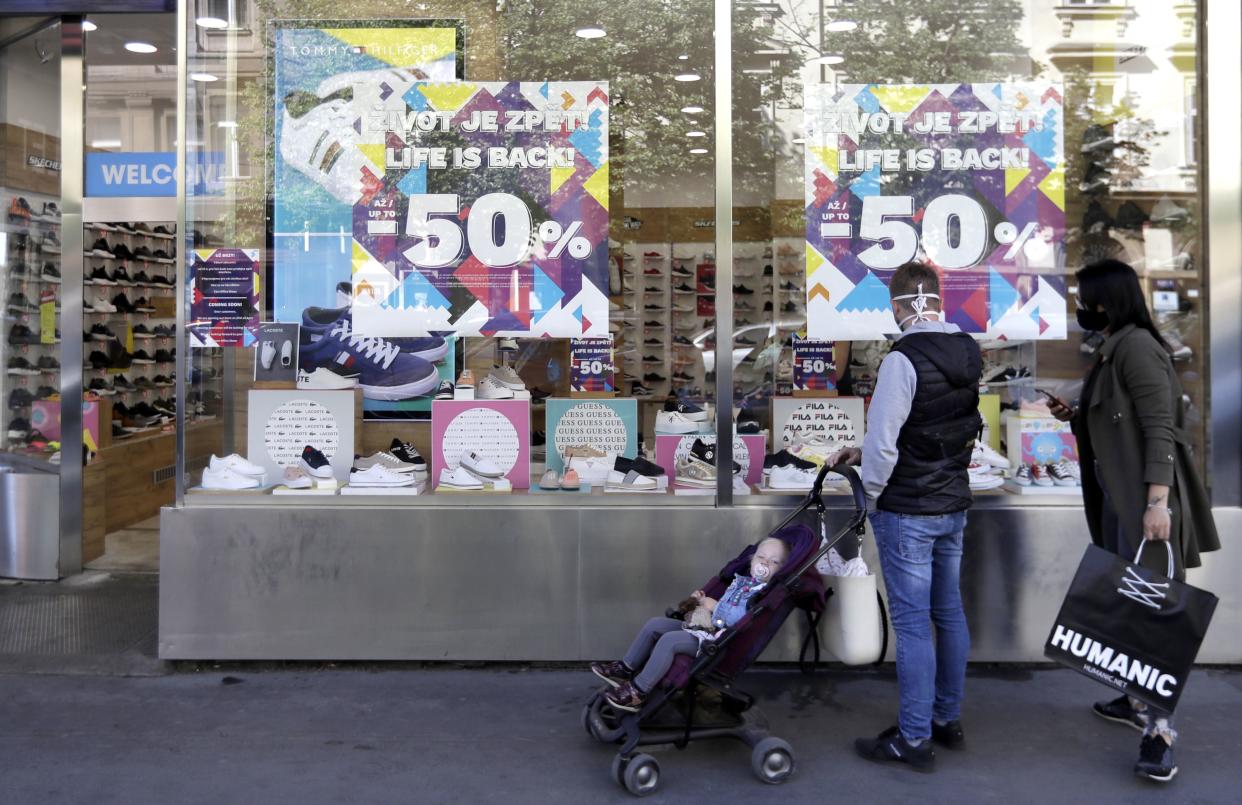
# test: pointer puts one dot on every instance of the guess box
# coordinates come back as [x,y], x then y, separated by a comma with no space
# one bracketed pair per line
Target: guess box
[748,451]
[496,429]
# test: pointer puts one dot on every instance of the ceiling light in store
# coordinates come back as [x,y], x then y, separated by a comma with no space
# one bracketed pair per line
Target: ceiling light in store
[203,77]
[140,47]
[798,140]
[684,57]
[840,26]
[692,110]
[696,134]
[87,25]
[227,124]
[105,143]
[830,59]
[698,150]
[591,32]
[211,22]
[687,77]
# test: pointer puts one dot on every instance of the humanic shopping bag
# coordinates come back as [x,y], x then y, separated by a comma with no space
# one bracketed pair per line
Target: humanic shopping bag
[1130,627]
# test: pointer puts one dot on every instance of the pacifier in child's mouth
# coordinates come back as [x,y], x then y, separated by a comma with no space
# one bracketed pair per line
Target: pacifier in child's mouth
[760,572]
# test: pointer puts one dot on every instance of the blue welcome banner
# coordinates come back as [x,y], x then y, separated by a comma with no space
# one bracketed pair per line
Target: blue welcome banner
[151,173]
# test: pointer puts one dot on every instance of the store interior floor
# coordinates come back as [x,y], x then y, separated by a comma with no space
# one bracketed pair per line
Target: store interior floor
[135,549]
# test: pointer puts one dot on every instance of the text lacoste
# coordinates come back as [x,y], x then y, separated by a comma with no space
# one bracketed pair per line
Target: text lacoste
[1111,665]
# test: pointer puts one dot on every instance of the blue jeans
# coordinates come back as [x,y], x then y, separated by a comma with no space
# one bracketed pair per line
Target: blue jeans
[921,557]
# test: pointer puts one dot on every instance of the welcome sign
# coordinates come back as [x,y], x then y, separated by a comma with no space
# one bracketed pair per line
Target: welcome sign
[131,174]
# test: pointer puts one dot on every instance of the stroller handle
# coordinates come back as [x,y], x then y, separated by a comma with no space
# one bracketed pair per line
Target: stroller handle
[850,475]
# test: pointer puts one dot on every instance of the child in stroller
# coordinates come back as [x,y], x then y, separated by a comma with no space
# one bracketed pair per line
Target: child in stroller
[658,643]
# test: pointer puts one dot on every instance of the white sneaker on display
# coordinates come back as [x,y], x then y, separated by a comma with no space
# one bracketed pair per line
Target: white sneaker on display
[674,422]
[296,478]
[631,480]
[791,477]
[379,475]
[984,454]
[507,377]
[323,378]
[267,351]
[382,459]
[459,478]
[489,388]
[479,465]
[236,463]
[224,478]
[323,145]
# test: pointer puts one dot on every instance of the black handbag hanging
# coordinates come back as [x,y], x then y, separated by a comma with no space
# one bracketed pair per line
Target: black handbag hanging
[1130,627]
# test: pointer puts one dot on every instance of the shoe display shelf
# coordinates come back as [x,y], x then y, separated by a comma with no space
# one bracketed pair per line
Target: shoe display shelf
[29,275]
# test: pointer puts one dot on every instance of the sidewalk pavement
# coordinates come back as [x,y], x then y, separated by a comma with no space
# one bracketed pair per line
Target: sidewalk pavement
[508,734]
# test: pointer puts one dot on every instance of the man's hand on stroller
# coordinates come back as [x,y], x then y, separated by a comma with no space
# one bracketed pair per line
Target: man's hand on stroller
[846,455]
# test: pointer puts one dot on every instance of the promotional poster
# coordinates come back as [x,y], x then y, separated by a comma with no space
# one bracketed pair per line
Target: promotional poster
[224,297]
[322,166]
[491,215]
[969,178]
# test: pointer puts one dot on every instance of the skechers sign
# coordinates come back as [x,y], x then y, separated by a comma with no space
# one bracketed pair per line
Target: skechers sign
[151,173]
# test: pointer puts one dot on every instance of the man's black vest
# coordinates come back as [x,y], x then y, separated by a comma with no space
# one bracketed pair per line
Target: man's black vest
[935,443]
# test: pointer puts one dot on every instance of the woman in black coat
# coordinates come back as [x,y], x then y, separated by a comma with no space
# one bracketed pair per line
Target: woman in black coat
[1139,476]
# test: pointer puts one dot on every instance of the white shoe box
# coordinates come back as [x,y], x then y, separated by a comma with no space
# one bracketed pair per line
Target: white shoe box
[391,491]
[463,394]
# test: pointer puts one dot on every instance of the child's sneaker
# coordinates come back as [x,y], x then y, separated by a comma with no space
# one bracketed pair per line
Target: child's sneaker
[614,673]
[1040,476]
[1061,474]
[1023,476]
[626,697]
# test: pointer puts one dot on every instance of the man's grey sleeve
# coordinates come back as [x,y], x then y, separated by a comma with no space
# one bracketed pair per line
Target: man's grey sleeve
[890,407]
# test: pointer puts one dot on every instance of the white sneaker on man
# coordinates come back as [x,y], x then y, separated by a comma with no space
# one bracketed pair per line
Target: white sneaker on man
[479,465]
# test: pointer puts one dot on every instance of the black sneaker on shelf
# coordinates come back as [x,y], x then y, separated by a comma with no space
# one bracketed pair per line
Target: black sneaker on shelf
[122,252]
[161,256]
[654,377]
[639,465]
[688,410]
[682,271]
[784,458]
[789,307]
[163,381]
[99,276]
[767,306]
[162,331]
[1156,761]
[653,323]
[99,360]
[142,358]
[142,280]
[163,356]
[20,366]
[742,290]
[767,270]
[101,387]
[143,384]
[122,303]
[101,249]
[49,273]
[19,428]
[682,377]
[143,305]
[47,363]
[683,288]
[706,453]
[141,229]
[121,277]
[121,383]
[18,303]
[127,228]
[161,230]
[891,746]
[141,331]
[142,253]
[682,341]
[637,389]
[653,342]
[408,453]
[19,399]
[45,393]
[20,334]
[100,332]
[315,462]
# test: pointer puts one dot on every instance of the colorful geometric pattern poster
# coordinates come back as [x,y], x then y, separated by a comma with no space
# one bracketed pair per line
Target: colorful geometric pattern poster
[490,216]
[224,297]
[321,168]
[969,178]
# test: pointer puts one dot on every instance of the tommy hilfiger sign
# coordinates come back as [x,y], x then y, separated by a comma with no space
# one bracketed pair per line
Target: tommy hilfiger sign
[1131,627]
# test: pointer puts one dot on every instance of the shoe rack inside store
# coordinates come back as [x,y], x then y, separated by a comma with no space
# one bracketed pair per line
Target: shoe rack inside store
[129,363]
[30,285]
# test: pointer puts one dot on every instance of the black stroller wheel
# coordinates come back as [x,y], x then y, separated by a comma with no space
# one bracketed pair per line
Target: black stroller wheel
[772,761]
[618,769]
[641,775]
[586,719]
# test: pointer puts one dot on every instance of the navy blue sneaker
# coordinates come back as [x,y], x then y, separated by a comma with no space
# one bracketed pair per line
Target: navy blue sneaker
[384,372]
[430,348]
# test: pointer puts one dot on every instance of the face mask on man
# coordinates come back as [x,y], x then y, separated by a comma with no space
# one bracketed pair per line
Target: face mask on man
[919,306]
[1096,320]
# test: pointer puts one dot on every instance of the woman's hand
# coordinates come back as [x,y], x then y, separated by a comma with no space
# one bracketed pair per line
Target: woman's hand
[1156,524]
[1060,409]
[710,603]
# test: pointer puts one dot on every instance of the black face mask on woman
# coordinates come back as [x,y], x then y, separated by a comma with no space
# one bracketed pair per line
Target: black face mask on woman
[1096,320]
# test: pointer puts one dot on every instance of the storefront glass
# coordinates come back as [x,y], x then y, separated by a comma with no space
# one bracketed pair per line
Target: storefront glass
[408,241]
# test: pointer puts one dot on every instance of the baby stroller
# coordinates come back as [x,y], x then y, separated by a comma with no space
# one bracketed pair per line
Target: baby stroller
[696,699]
